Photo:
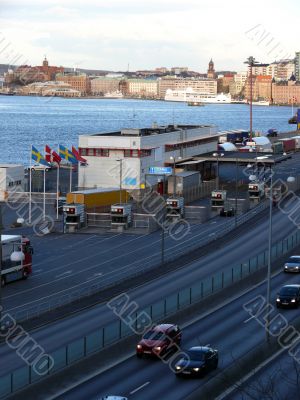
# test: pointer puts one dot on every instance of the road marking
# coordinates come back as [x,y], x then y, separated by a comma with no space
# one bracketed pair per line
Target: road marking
[63,274]
[249,319]
[98,274]
[38,270]
[139,388]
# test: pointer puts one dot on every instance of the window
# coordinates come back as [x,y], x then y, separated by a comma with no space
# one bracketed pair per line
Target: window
[127,153]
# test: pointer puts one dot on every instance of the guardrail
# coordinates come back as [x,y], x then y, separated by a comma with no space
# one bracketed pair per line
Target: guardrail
[158,311]
[86,289]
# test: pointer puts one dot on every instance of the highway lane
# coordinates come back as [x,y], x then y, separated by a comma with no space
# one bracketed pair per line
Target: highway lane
[229,329]
[107,264]
[77,261]
[63,332]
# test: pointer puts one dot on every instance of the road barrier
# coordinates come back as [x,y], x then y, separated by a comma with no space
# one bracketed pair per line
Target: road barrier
[165,307]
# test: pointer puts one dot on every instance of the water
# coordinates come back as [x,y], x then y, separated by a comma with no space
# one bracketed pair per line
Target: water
[39,121]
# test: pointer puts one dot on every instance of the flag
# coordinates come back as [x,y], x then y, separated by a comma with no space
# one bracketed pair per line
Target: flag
[38,157]
[66,154]
[78,156]
[51,155]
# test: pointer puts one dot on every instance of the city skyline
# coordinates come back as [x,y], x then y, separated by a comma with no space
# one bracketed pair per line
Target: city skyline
[98,35]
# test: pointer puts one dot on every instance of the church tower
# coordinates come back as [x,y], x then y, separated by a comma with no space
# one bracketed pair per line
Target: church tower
[211,71]
[45,62]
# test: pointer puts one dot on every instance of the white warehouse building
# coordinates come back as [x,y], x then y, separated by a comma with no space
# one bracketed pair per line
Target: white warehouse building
[128,155]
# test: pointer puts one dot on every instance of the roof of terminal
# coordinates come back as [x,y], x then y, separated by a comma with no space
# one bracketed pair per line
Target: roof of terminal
[150,131]
[244,157]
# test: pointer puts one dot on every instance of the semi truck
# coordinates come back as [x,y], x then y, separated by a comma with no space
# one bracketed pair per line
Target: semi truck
[16,258]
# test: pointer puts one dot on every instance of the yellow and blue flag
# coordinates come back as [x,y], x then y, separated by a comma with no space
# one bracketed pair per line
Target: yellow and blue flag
[67,154]
[38,157]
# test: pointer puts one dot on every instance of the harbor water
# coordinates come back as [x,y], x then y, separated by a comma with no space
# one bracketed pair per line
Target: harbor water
[44,120]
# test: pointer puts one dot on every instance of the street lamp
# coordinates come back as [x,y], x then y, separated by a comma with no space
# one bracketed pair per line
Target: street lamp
[217,180]
[251,62]
[174,174]
[120,161]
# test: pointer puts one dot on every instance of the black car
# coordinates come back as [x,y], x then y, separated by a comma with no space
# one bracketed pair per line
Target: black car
[288,296]
[196,361]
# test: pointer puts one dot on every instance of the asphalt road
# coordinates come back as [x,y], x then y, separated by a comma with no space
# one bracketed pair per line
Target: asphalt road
[238,250]
[230,329]
[63,264]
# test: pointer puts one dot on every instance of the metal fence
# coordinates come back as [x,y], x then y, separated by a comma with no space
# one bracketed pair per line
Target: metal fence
[158,311]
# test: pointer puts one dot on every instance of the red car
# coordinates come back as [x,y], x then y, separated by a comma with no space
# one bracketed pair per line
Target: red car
[159,340]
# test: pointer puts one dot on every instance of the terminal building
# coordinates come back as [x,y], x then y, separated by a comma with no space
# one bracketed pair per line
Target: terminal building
[127,157]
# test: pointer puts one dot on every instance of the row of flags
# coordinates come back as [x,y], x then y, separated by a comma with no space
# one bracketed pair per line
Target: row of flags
[51,156]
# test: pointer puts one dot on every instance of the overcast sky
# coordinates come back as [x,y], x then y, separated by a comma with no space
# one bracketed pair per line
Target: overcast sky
[111,34]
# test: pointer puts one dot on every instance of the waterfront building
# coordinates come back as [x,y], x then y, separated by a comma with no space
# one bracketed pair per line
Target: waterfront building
[259,69]
[26,74]
[237,85]
[137,150]
[51,88]
[104,84]
[80,82]
[200,85]
[297,65]
[224,82]
[140,87]
[281,70]
[179,70]
[287,92]
[261,88]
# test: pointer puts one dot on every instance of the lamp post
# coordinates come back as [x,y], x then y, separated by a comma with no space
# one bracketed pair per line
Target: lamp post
[269,254]
[217,180]
[174,174]
[0,263]
[120,161]
[236,191]
[251,62]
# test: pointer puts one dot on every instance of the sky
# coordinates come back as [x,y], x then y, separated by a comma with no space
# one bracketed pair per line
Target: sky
[118,35]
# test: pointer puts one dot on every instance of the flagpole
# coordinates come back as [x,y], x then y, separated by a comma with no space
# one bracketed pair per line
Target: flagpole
[30,185]
[57,189]
[44,200]
[71,167]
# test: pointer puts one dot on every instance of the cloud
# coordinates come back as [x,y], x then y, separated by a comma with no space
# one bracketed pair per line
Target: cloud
[108,34]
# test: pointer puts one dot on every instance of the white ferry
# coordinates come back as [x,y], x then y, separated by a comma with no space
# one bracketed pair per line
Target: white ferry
[114,95]
[189,95]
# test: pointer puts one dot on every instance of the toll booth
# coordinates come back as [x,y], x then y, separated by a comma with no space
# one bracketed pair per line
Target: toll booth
[256,191]
[74,217]
[175,208]
[277,191]
[218,198]
[121,215]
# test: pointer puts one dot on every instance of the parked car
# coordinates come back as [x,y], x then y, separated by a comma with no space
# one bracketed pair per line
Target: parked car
[197,361]
[288,296]
[292,264]
[160,340]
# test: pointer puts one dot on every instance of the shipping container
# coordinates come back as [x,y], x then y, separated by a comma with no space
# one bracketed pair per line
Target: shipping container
[277,147]
[97,197]
[289,144]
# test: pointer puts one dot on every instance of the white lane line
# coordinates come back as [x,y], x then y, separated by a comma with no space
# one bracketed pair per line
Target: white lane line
[37,270]
[63,274]
[249,319]
[139,388]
